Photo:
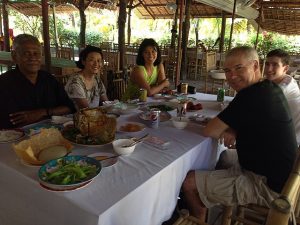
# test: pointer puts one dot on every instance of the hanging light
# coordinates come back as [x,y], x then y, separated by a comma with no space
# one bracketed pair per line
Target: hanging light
[171,6]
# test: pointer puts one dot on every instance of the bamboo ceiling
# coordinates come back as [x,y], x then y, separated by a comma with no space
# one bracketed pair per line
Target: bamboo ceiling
[282,16]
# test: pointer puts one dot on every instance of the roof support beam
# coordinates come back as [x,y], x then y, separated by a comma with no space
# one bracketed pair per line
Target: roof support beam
[294,4]
[150,13]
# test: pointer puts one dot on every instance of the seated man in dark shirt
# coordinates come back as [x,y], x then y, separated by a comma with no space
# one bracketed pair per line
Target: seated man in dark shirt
[265,141]
[27,94]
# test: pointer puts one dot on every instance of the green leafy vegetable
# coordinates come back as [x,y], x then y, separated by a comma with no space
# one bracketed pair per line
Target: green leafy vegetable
[70,173]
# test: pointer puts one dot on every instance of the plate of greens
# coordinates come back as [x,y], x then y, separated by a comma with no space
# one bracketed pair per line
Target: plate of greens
[68,172]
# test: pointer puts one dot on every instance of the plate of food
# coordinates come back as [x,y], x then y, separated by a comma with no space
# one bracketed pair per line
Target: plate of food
[35,129]
[11,135]
[163,116]
[38,149]
[193,107]
[161,107]
[107,159]
[73,135]
[130,127]
[69,172]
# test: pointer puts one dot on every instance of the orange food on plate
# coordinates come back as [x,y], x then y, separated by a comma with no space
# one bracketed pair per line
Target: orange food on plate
[131,127]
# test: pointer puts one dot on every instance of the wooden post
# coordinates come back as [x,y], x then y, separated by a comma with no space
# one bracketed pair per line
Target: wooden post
[5,26]
[1,21]
[222,38]
[54,24]
[121,23]
[179,51]
[185,38]
[81,8]
[46,35]
[232,23]
[129,22]
[174,28]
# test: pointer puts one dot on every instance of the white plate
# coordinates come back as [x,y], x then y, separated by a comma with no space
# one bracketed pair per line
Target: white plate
[163,116]
[120,127]
[60,119]
[11,135]
[107,162]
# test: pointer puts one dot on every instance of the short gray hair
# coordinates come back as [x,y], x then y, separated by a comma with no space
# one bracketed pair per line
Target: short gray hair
[20,39]
[249,52]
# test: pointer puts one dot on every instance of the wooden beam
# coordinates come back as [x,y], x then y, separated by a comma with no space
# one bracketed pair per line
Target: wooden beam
[294,4]
[232,23]
[5,25]
[46,37]
[150,13]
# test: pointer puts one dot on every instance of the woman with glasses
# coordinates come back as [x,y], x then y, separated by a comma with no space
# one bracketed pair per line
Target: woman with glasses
[149,73]
[86,88]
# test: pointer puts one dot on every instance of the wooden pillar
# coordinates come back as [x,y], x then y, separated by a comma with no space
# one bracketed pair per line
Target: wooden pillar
[121,24]
[5,25]
[55,27]
[1,21]
[174,28]
[179,52]
[129,22]
[81,8]
[232,23]
[46,35]
[185,38]
[222,36]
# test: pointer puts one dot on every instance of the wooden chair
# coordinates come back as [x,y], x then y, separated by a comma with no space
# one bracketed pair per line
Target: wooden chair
[209,62]
[63,79]
[119,87]
[65,53]
[284,209]
[170,64]
[186,219]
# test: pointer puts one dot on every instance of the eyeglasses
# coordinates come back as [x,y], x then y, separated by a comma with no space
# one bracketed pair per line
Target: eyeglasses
[238,67]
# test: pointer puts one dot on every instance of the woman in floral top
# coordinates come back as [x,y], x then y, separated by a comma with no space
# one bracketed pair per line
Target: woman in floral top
[86,88]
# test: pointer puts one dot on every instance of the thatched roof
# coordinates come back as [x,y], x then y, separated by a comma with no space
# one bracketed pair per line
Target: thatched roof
[282,16]
[34,8]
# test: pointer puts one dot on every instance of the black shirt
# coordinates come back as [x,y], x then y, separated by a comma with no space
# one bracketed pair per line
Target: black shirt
[17,93]
[266,141]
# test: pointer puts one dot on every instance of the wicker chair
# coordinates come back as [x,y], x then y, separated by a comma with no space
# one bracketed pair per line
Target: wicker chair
[186,219]
[283,211]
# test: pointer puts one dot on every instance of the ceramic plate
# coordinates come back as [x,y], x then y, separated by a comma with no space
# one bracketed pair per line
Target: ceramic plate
[163,116]
[65,190]
[104,162]
[130,127]
[66,167]
[70,133]
[11,135]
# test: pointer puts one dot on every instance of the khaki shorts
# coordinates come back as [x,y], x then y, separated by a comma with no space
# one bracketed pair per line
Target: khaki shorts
[233,186]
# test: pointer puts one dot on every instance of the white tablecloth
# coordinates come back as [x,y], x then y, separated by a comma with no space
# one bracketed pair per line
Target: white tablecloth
[140,189]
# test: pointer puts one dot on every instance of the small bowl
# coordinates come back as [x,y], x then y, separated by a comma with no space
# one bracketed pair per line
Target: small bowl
[117,145]
[180,122]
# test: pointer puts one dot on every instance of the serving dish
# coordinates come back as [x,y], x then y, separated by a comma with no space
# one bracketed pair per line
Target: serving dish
[163,116]
[69,172]
[73,135]
[130,127]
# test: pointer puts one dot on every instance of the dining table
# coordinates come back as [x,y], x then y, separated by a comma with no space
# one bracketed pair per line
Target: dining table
[140,189]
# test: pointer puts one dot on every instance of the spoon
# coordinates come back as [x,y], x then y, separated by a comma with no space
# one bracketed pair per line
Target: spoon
[138,140]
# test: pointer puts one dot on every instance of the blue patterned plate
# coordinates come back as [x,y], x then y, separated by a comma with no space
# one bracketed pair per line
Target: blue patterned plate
[69,172]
